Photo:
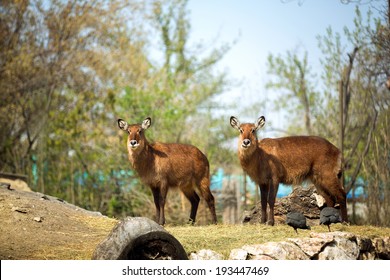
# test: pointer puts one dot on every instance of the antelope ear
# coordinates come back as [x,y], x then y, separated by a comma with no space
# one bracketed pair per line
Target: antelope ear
[260,122]
[146,123]
[123,125]
[234,122]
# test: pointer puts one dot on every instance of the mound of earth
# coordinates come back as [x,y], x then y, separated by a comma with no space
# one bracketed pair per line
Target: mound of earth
[38,226]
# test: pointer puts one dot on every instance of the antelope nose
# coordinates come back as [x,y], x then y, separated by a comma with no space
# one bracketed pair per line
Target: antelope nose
[133,142]
[246,142]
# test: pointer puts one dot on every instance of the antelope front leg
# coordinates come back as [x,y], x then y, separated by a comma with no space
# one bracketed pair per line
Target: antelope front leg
[162,199]
[156,197]
[264,199]
[273,189]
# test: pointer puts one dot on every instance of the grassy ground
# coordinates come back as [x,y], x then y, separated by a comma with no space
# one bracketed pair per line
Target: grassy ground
[65,231]
[224,238]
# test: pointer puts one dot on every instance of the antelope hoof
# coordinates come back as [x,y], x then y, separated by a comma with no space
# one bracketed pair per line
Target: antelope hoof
[270,223]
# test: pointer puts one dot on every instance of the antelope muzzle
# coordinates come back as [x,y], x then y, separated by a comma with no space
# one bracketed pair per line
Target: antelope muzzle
[246,143]
[133,144]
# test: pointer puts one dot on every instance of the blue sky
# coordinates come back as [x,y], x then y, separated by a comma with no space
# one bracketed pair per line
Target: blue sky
[266,26]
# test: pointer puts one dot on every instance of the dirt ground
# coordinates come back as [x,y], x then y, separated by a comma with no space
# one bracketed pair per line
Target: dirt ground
[35,226]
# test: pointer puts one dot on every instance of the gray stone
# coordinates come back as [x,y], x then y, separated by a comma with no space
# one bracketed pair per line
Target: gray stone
[343,247]
[322,246]
[238,254]
[302,199]
[349,246]
[311,246]
[382,247]
[275,250]
[205,254]
[332,252]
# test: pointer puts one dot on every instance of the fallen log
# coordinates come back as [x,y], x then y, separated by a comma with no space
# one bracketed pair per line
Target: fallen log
[138,238]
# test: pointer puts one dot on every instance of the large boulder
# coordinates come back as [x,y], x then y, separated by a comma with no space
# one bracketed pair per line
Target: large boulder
[319,246]
[302,199]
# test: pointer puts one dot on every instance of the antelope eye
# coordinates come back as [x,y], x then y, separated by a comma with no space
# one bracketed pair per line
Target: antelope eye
[253,130]
[241,131]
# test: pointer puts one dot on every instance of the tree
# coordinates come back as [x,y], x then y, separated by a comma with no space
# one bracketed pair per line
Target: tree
[354,75]
[69,69]
[360,76]
[46,50]
[293,76]
[358,88]
[179,90]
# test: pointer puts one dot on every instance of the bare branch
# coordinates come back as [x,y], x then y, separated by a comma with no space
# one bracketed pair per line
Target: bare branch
[351,183]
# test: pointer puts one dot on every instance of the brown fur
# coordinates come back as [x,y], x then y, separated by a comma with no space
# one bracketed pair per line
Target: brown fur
[163,166]
[290,160]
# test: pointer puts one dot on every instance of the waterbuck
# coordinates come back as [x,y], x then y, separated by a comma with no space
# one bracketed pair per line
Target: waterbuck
[162,166]
[289,160]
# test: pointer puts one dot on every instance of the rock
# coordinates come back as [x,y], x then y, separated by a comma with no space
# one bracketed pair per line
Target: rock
[15,184]
[333,235]
[341,249]
[138,238]
[273,251]
[319,246]
[38,219]
[261,258]
[367,249]
[279,251]
[382,247]
[343,246]
[311,246]
[6,185]
[19,209]
[301,199]
[332,252]
[205,254]
[238,254]
[320,200]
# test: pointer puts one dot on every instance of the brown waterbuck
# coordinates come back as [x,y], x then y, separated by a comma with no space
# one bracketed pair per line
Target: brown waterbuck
[163,166]
[289,160]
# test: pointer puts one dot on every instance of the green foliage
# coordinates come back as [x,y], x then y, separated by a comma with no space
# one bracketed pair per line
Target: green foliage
[178,94]
[75,67]
[356,63]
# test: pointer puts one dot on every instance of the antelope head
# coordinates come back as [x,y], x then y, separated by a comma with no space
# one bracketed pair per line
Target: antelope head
[136,138]
[248,136]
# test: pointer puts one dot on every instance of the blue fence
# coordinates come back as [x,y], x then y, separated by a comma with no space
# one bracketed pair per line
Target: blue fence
[125,179]
[219,177]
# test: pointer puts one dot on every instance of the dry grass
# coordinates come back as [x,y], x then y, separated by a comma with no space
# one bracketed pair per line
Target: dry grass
[101,224]
[78,243]
[68,233]
[224,238]
[85,242]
